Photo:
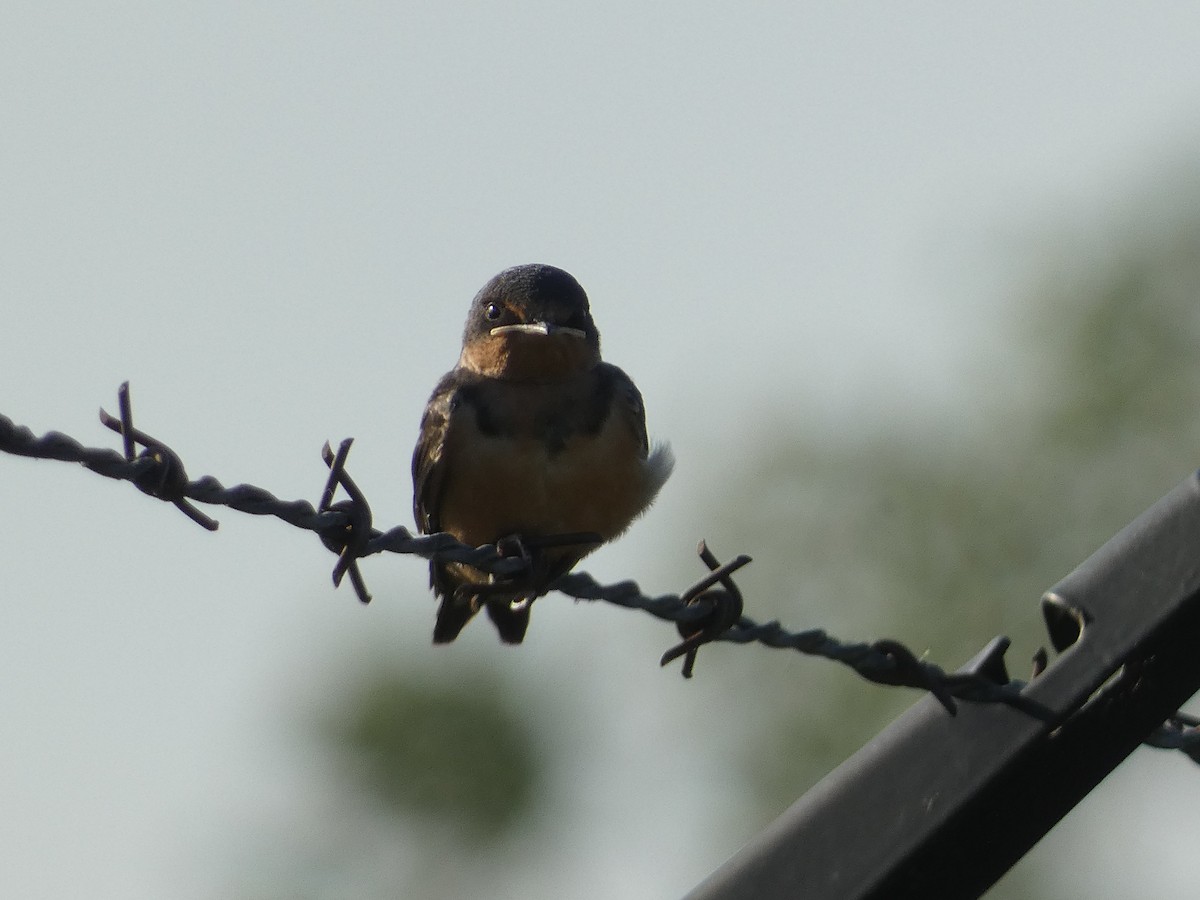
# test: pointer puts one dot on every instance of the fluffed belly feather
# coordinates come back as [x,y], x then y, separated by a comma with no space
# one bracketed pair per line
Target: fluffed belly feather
[501,485]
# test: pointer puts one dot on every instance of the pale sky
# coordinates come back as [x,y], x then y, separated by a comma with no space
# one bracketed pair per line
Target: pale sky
[271,219]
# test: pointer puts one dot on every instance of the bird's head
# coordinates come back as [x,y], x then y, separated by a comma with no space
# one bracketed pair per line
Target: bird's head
[530,322]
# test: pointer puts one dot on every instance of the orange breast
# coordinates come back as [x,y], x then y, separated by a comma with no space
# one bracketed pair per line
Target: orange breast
[498,486]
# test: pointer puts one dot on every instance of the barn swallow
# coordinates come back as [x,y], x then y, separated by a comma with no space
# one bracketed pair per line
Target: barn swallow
[531,435]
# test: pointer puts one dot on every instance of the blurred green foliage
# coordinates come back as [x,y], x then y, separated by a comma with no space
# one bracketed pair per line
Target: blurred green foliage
[452,753]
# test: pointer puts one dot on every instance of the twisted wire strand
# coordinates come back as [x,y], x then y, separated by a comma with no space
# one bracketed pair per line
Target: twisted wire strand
[883,662]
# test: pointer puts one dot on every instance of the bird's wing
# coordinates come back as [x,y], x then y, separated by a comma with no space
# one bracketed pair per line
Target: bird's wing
[429,476]
[627,402]
[428,464]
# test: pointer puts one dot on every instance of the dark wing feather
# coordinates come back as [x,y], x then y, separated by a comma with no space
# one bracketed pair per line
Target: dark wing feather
[428,467]
[429,475]
[626,402]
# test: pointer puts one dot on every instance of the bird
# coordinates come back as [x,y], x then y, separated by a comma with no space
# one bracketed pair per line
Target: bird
[530,436]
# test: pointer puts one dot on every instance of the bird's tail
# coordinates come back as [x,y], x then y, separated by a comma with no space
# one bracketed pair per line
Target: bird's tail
[452,617]
[511,620]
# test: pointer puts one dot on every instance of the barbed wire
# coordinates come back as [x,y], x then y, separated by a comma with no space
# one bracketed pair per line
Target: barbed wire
[1180,732]
[710,610]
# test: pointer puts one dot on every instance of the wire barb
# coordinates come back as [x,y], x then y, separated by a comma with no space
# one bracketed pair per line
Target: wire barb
[167,479]
[723,609]
[348,538]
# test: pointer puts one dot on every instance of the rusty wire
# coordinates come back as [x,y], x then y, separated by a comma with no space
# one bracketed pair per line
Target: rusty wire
[711,610]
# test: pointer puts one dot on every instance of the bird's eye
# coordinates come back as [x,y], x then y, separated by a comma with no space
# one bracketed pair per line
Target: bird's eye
[494,311]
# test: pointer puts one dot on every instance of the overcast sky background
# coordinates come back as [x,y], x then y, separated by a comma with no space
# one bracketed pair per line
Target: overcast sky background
[271,219]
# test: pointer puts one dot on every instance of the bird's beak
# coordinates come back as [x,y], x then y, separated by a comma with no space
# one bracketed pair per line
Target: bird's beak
[546,329]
